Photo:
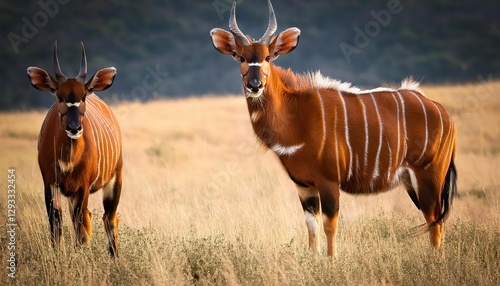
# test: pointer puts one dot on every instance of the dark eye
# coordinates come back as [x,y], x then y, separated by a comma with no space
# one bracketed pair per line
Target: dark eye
[242,59]
[268,58]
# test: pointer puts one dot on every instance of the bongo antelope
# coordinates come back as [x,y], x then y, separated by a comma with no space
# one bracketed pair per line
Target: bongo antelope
[79,150]
[330,135]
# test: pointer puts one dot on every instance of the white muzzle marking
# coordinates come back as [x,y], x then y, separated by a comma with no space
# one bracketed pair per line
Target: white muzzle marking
[69,104]
[74,136]
[250,93]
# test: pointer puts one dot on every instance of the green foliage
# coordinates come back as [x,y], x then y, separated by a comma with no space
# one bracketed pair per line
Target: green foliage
[437,41]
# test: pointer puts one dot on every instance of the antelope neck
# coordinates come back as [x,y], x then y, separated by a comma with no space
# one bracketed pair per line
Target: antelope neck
[273,113]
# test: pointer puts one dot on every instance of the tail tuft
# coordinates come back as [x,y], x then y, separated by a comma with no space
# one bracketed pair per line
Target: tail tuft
[448,193]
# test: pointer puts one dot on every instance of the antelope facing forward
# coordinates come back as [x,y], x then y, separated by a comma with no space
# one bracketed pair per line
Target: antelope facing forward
[331,136]
[79,150]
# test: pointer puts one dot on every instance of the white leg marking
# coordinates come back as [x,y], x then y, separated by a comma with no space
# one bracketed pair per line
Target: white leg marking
[108,189]
[312,223]
[413,180]
[376,170]
[347,135]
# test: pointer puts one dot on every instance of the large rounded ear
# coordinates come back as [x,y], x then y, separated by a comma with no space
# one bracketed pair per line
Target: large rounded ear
[101,80]
[285,42]
[41,80]
[224,42]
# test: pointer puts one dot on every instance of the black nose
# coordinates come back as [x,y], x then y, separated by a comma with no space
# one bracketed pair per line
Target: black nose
[254,84]
[74,127]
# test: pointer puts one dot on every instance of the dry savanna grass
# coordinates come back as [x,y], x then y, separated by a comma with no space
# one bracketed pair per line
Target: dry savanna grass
[203,203]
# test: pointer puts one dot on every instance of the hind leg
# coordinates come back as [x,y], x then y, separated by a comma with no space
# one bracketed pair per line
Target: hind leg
[409,181]
[429,196]
[329,196]
[111,198]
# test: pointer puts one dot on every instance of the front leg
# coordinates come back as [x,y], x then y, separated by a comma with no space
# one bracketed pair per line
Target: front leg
[309,198]
[54,212]
[80,215]
[330,194]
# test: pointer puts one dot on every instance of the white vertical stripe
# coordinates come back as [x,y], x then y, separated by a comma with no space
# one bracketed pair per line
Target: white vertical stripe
[376,170]
[107,140]
[336,147]
[389,169]
[114,127]
[367,139]
[347,135]
[399,126]
[323,122]
[90,120]
[405,137]
[426,126]
[441,127]
[98,141]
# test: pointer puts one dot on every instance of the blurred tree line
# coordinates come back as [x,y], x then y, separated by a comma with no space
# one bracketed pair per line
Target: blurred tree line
[163,48]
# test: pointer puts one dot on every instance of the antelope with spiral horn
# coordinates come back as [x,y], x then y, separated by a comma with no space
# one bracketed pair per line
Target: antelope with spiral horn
[331,136]
[79,150]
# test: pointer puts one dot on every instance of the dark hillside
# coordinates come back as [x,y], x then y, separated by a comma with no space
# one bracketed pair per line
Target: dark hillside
[163,48]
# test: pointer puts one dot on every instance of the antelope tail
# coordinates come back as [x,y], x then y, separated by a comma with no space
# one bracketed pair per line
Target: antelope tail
[448,193]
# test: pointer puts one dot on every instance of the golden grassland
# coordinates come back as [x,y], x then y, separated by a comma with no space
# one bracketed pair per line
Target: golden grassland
[203,203]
